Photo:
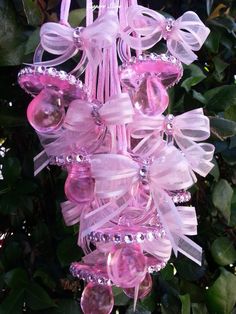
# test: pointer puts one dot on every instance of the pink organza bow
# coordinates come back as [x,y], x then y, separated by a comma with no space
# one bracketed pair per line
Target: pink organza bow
[82,115]
[65,41]
[83,123]
[186,129]
[183,36]
[119,176]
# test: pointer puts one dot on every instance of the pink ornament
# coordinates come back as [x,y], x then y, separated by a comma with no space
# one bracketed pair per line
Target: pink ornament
[97,299]
[145,288]
[79,186]
[126,266]
[167,68]
[151,98]
[46,111]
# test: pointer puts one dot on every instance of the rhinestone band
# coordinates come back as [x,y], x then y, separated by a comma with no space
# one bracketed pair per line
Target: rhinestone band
[153,57]
[155,268]
[118,237]
[51,73]
[67,160]
[181,197]
[89,275]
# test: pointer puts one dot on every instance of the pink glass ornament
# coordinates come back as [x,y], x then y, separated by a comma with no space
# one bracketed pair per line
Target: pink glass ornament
[97,299]
[145,288]
[151,98]
[46,112]
[126,266]
[79,186]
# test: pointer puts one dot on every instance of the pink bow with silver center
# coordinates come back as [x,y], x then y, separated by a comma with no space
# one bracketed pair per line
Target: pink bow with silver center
[118,178]
[185,130]
[183,36]
[65,41]
[84,123]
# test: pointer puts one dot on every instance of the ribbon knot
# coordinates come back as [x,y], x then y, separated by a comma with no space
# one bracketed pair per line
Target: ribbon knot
[169,25]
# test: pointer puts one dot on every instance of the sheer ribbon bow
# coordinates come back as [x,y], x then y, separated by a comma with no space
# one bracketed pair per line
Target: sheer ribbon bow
[183,36]
[118,177]
[185,129]
[82,126]
[65,41]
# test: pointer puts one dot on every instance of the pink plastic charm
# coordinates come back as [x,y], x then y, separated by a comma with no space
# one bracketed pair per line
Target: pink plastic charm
[126,266]
[145,288]
[97,299]
[46,111]
[151,98]
[79,186]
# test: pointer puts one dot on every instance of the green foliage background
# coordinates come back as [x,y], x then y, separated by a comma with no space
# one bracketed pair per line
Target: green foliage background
[36,246]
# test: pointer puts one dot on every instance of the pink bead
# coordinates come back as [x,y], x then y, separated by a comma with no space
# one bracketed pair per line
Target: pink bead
[46,112]
[151,98]
[144,288]
[79,186]
[97,299]
[126,266]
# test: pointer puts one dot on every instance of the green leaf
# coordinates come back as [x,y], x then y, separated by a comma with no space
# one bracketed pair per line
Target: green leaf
[13,303]
[221,198]
[185,300]
[16,278]
[195,76]
[215,172]
[66,306]
[68,251]
[223,251]
[213,41]
[221,296]
[230,113]
[199,308]
[119,296]
[167,273]
[195,291]
[11,169]
[139,310]
[32,42]
[220,65]
[11,36]
[188,270]
[37,298]
[45,278]
[32,12]
[76,17]
[222,128]
[221,98]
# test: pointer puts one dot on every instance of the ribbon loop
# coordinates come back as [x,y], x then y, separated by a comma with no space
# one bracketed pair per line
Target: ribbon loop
[65,41]
[183,36]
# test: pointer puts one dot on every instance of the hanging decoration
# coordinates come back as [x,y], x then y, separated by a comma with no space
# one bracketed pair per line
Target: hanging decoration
[129,163]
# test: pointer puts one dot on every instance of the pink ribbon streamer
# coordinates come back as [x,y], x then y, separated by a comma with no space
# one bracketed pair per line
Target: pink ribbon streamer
[65,41]
[183,36]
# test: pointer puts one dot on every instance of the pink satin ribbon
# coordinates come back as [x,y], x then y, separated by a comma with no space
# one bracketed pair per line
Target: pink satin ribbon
[65,41]
[183,36]
[186,129]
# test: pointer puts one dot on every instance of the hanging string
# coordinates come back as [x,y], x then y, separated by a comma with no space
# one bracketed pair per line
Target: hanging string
[64,12]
